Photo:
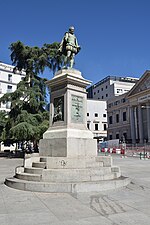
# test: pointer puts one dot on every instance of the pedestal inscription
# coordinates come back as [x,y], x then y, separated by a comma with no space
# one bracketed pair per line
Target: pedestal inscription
[76,109]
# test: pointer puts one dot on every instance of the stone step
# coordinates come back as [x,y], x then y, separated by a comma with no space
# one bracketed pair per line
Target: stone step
[75,175]
[28,176]
[43,159]
[94,164]
[33,170]
[39,165]
[63,187]
[115,169]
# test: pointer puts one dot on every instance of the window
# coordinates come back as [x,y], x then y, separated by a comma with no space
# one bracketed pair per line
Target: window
[110,137]
[9,88]
[101,89]
[117,118]
[116,102]
[102,97]
[88,114]
[117,136]
[98,91]
[119,90]
[105,126]
[9,77]
[106,95]
[104,115]
[96,126]
[88,125]
[110,120]
[96,114]
[123,100]
[110,105]
[106,86]
[94,93]
[124,116]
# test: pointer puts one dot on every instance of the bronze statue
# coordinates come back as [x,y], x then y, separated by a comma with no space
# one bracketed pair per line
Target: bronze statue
[69,47]
[58,109]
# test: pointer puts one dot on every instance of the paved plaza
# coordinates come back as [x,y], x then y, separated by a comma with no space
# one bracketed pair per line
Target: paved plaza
[129,205]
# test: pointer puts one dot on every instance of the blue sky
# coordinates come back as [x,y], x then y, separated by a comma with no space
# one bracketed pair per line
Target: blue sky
[114,34]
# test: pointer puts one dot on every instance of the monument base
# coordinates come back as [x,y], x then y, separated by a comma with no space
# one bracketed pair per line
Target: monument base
[56,174]
[67,147]
[67,160]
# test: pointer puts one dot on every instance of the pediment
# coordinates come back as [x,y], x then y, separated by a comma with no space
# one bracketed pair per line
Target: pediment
[142,85]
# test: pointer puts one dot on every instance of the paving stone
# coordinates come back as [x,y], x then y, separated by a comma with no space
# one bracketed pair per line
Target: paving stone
[126,206]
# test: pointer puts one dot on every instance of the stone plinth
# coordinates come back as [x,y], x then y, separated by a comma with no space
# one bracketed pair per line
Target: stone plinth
[68,135]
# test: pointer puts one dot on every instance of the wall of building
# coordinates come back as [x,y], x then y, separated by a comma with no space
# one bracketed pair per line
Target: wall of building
[111,86]
[129,114]
[118,118]
[8,82]
[97,118]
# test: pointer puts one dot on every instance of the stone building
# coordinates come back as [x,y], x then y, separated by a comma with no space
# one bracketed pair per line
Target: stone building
[111,86]
[8,82]
[118,118]
[97,118]
[106,90]
[129,114]
[139,103]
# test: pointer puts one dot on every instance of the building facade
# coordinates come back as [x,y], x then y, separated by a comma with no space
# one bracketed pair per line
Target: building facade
[118,118]
[139,103]
[111,86]
[97,118]
[129,114]
[8,82]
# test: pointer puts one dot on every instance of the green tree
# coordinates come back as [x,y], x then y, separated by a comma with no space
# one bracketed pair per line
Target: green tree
[3,121]
[28,119]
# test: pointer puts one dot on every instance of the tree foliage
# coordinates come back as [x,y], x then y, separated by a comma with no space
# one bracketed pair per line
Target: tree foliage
[28,119]
[3,121]
[34,59]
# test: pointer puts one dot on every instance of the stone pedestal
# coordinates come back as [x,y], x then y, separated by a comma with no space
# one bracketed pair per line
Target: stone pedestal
[68,135]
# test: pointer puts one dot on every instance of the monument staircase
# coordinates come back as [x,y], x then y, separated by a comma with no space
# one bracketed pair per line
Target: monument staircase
[44,174]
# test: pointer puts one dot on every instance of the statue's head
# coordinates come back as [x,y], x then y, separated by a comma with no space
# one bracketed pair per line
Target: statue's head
[71,29]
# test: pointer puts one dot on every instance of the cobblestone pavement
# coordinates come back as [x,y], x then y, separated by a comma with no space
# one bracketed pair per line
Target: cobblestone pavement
[125,206]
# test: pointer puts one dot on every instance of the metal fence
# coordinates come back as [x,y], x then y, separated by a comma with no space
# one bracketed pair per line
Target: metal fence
[141,151]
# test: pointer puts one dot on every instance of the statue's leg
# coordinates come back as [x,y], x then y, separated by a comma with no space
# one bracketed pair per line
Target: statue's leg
[68,58]
[65,61]
[72,60]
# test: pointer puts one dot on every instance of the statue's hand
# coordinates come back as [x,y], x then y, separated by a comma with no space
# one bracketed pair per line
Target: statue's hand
[78,48]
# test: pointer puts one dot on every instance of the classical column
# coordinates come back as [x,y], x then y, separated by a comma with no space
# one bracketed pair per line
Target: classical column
[132,125]
[148,120]
[140,124]
[136,124]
